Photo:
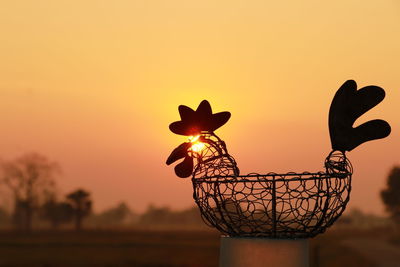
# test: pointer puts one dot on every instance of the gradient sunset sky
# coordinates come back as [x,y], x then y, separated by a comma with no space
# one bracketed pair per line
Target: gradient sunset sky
[94,85]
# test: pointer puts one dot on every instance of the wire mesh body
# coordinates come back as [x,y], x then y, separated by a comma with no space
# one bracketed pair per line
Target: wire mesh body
[274,205]
[292,205]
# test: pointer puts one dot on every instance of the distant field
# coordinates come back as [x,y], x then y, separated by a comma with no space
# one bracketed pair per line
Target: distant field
[143,248]
[105,248]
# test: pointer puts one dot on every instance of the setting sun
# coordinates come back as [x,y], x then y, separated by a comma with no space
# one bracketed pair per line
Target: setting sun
[197,145]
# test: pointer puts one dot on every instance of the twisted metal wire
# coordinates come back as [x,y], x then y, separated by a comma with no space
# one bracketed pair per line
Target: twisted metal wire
[291,205]
[213,159]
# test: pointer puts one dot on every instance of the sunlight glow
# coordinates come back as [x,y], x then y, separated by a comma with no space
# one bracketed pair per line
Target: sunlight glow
[193,139]
[197,145]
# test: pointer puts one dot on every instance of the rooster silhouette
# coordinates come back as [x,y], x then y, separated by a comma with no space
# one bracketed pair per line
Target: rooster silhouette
[347,106]
[268,205]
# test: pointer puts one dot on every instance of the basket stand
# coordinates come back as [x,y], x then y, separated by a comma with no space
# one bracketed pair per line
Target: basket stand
[261,252]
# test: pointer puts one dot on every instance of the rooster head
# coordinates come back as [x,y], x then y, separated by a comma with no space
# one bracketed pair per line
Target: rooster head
[193,123]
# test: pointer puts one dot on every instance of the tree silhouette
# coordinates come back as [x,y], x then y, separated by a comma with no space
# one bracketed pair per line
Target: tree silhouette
[391,195]
[30,178]
[57,212]
[81,205]
[115,216]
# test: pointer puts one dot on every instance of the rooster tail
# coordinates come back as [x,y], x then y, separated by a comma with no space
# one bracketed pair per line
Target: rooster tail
[347,106]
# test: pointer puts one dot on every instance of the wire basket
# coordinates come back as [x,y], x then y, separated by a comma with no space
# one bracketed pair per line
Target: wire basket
[292,205]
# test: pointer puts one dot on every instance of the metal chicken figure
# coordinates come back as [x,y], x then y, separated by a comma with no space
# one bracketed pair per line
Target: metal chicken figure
[291,205]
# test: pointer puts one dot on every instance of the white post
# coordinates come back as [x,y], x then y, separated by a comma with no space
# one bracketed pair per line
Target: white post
[263,252]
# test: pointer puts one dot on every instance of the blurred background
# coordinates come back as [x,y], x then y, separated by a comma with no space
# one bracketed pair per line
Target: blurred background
[88,89]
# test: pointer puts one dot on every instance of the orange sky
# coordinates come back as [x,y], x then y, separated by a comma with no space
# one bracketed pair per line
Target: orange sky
[94,85]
